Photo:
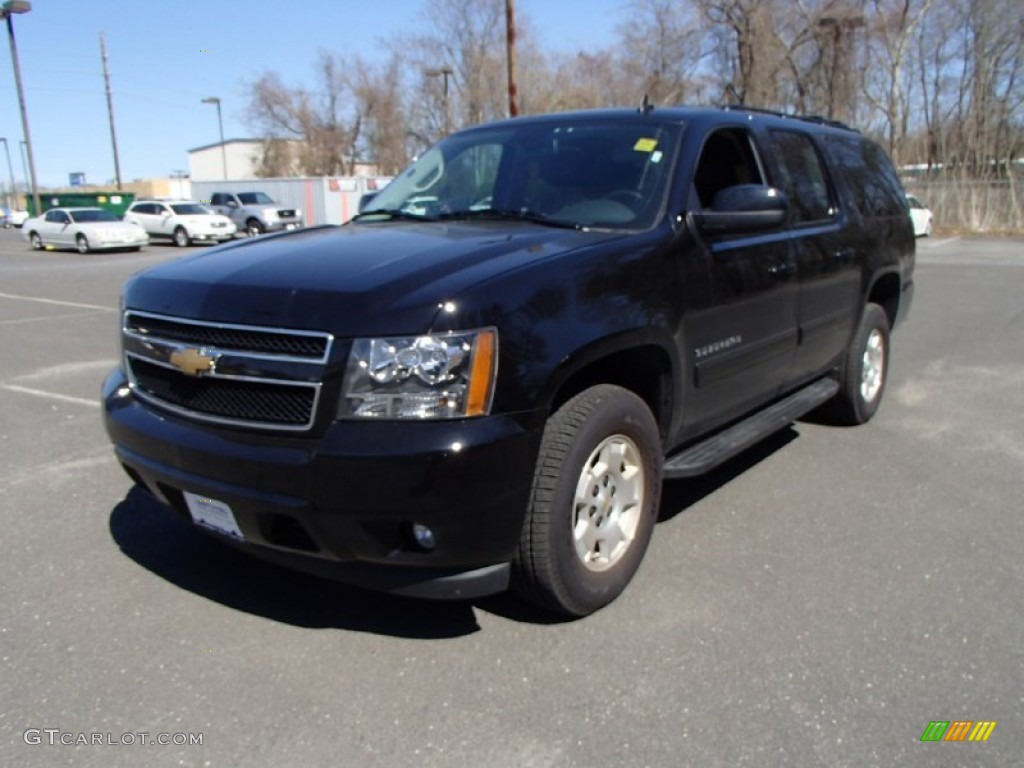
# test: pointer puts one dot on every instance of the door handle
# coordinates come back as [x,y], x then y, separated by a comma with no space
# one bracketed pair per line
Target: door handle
[843,254]
[786,269]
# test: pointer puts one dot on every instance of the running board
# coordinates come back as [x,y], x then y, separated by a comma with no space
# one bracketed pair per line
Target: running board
[709,453]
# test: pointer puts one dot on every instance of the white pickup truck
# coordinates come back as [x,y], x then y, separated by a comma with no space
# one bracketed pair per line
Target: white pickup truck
[255,212]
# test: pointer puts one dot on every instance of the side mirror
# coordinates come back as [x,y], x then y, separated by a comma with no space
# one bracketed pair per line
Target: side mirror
[232,203]
[743,208]
[365,200]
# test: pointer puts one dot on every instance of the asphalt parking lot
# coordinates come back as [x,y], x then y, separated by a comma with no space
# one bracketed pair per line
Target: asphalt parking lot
[816,602]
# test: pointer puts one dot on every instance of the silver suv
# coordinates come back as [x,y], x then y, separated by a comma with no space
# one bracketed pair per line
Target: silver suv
[255,212]
[182,221]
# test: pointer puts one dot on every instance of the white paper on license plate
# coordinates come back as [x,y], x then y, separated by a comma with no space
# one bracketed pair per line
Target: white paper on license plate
[212,514]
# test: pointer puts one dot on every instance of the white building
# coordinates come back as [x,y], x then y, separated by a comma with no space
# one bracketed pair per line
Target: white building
[240,156]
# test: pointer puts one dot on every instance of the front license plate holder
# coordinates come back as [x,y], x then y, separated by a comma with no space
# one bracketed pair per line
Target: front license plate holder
[213,514]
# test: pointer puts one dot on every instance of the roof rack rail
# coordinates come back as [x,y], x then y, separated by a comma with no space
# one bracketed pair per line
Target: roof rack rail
[816,119]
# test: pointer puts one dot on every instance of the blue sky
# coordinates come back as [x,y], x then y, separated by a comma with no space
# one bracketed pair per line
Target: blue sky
[165,57]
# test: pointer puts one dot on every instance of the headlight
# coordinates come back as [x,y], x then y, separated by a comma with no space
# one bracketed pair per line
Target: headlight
[442,376]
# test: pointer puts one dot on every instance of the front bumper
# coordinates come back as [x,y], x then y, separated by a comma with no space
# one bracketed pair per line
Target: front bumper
[343,504]
[103,244]
[282,225]
[214,235]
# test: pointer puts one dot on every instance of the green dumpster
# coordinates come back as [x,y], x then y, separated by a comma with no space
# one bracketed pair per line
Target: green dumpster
[115,202]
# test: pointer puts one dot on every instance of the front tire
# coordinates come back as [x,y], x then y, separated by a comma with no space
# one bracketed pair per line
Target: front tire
[254,228]
[81,244]
[594,502]
[866,369]
[181,238]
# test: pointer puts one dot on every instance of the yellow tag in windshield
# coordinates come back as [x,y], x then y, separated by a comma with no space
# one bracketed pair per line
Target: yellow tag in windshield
[645,145]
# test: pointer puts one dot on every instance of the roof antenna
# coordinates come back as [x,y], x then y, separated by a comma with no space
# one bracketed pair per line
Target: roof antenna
[645,105]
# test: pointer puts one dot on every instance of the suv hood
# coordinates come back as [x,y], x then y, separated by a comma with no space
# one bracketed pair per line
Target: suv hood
[360,279]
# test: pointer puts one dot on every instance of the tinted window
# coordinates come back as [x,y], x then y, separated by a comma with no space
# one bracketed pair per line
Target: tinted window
[94,214]
[869,176]
[804,179]
[55,216]
[190,209]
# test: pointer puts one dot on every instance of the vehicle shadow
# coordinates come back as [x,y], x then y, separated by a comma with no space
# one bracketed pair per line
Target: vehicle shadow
[679,495]
[170,547]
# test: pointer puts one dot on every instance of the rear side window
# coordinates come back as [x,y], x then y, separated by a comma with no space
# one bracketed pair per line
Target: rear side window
[804,179]
[869,176]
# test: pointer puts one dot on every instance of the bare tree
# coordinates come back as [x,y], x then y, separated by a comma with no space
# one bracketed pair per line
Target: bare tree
[314,117]
[893,30]
[661,50]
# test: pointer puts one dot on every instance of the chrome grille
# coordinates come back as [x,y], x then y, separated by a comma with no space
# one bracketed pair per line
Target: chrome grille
[230,337]
[252,376]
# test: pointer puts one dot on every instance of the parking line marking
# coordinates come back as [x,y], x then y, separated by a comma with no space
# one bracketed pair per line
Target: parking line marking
[50,395]
[65,369]
[940,243]
[40,300]
[69,316]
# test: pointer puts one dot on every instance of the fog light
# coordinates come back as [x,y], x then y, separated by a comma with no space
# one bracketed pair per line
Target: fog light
[423,536]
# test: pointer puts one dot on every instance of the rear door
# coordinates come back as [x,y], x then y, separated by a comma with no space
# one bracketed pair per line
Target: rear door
[828,254]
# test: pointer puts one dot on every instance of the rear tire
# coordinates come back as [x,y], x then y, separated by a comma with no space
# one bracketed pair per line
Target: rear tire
[593,505]
[81,244]
[181,238]
[36,241]
[864,373]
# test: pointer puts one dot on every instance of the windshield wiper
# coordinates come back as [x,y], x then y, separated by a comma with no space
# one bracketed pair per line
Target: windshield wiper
[518,214]
[393,214]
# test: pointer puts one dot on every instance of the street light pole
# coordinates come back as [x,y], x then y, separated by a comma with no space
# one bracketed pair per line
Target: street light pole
[220,123]
[12,197]
[444,73]
[7,10]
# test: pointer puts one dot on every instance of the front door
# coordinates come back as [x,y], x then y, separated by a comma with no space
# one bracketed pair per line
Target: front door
[740,296]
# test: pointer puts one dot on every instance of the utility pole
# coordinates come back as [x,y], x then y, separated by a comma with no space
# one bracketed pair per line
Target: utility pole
[6,11]
[510,45]
[110,110]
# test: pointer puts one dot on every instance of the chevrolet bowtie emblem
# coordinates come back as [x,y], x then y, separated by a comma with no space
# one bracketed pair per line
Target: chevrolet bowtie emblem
[193,362]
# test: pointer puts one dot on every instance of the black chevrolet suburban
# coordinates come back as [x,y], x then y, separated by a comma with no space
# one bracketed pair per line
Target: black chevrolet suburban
[483,379]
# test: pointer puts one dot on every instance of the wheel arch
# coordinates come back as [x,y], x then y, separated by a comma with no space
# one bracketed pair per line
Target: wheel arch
[885,291]
[638,362]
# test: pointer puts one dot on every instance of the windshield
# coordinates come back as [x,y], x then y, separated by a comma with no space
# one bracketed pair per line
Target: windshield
[610,174]
[189,209]
[255,198]
[92,214]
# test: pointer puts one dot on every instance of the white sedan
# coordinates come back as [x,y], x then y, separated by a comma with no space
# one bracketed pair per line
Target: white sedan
[84,229]
[921,215]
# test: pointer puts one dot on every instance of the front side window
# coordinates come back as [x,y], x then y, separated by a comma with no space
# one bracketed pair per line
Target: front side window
[255,198]
[804,179]
[610,174]
[728,159]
